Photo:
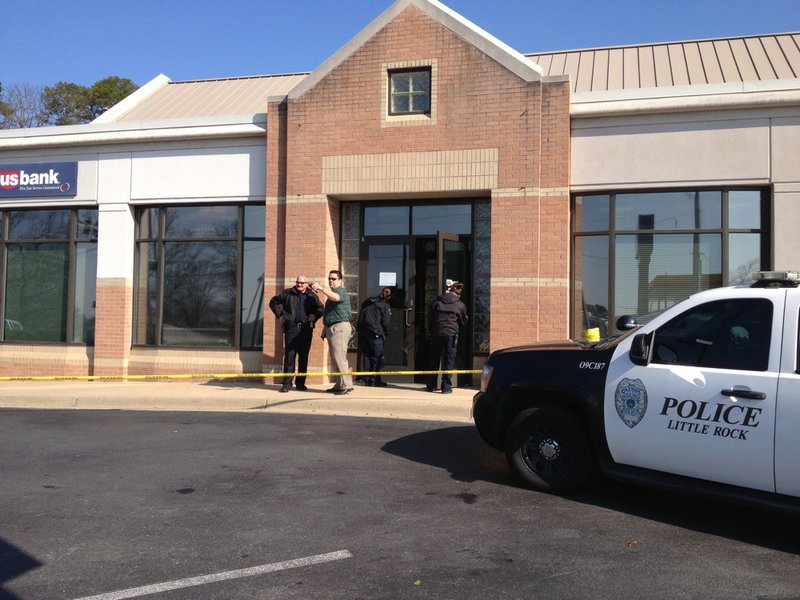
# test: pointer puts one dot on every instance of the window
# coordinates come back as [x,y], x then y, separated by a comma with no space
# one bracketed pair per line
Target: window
[200,276]
[410,92]
[50,260]
[725,334]
[639,253]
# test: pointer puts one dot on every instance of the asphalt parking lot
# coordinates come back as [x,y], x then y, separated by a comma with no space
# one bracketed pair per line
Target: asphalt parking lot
[111,503]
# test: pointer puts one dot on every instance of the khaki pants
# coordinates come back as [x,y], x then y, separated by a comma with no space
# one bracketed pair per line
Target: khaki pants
[338,336]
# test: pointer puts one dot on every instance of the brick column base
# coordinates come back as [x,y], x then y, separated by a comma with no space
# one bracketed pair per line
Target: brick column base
[113,326]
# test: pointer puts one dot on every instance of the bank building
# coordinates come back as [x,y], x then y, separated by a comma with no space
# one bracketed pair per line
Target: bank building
[562,188]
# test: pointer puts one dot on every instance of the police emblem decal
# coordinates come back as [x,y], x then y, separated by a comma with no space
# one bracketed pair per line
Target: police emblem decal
[630,399]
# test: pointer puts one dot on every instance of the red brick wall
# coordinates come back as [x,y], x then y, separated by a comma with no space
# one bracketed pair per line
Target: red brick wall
[480,105]
[113,322]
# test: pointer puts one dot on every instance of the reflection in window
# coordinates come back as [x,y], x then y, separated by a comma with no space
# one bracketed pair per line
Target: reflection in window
[200,221]
[744,209]
[39,224]
[386,220]
[253,294]
[36,292]
[187,289]
[429,219]
[665,247]
[425,219]
[725,334]
[591,213]
[85,286]
[656,271]
[593,282]
[199,293]
[47,254]
[669,210]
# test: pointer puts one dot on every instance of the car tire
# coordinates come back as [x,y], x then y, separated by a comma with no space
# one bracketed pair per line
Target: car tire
[548,447]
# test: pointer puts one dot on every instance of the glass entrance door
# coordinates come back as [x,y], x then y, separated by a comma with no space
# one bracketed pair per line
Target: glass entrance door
[389,265]
[438,259]
[406,248]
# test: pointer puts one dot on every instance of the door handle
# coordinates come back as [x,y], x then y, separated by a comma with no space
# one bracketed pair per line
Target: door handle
[405,317]
[747,394]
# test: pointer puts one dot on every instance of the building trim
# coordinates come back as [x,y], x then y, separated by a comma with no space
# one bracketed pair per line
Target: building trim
[725,96]
[234,126]
[512,60]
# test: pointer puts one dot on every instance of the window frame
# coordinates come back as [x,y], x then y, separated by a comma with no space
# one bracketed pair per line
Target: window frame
[72,240]
[160,240]
[613,234]
[410,94]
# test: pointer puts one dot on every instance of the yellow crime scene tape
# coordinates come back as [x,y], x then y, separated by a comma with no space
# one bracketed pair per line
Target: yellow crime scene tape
[226,375]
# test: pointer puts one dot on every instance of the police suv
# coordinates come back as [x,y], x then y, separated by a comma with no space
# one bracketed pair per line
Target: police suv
[705,397]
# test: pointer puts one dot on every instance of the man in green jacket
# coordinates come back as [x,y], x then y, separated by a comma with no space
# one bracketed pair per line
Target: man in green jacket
[337,330]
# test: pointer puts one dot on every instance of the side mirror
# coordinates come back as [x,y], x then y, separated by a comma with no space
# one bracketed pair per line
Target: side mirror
[639,349]
[626,322]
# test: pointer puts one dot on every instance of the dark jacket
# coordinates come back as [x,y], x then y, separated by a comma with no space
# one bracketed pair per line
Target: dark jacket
[447,314]
[374,317]
[287,302]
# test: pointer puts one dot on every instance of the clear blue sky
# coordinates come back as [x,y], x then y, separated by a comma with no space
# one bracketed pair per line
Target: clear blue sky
[81,41]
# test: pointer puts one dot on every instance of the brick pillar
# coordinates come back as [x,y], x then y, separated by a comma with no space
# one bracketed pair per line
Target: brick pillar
[113,324]
[275,243]
[115,248]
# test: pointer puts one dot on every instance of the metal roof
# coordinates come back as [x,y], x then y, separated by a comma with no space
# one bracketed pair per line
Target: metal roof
[712,61]
[661,65]
[212,97]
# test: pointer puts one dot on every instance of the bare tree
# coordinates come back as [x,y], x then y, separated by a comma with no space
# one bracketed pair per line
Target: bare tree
[23,107]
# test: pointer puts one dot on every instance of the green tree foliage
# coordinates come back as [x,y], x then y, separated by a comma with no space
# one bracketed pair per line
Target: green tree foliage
[64,103]
[67,103]
[105,93]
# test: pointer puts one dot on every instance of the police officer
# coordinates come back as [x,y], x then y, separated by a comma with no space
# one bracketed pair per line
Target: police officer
[373,327]
[297,309]
[447,314]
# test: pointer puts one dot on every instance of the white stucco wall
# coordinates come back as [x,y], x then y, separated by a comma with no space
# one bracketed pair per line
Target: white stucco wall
[114,178]
[216,173]
[722,148]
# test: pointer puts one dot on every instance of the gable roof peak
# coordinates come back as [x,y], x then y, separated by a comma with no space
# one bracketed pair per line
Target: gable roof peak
[514,61]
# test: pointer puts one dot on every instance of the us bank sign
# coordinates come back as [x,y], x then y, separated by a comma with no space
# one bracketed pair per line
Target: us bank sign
[39,179]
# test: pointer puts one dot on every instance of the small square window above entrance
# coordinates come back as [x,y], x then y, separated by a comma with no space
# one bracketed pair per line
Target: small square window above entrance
[410,92]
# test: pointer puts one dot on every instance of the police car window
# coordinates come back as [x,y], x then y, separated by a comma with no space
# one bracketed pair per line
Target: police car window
[725,334]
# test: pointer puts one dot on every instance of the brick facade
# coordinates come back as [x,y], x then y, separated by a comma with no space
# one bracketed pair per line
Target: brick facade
[113,323]
[489,132]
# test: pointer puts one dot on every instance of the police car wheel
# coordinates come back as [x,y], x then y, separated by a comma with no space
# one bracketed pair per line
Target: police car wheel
[549,449]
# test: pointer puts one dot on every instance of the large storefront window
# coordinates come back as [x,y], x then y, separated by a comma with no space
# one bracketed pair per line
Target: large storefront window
[49,278]
[200,276]
[639,253]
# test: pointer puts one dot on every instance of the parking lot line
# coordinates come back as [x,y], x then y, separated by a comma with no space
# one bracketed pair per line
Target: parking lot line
[225,575]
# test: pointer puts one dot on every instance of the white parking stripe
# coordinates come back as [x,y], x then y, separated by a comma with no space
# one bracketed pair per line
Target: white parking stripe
[203,579]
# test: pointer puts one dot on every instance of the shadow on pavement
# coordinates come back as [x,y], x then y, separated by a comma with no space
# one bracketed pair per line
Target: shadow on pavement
[461,452]
[13,563]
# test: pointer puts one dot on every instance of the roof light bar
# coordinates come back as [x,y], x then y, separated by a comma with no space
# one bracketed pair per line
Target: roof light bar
[776,279]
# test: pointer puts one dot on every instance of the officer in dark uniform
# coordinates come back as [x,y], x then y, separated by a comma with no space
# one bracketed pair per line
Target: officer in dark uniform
[447,314]
[297,308]
[373,327]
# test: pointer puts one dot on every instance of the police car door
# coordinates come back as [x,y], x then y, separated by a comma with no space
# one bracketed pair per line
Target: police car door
[704,404]
[787,422]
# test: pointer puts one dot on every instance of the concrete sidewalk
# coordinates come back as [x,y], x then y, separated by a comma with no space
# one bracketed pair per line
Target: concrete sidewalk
[399,401]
